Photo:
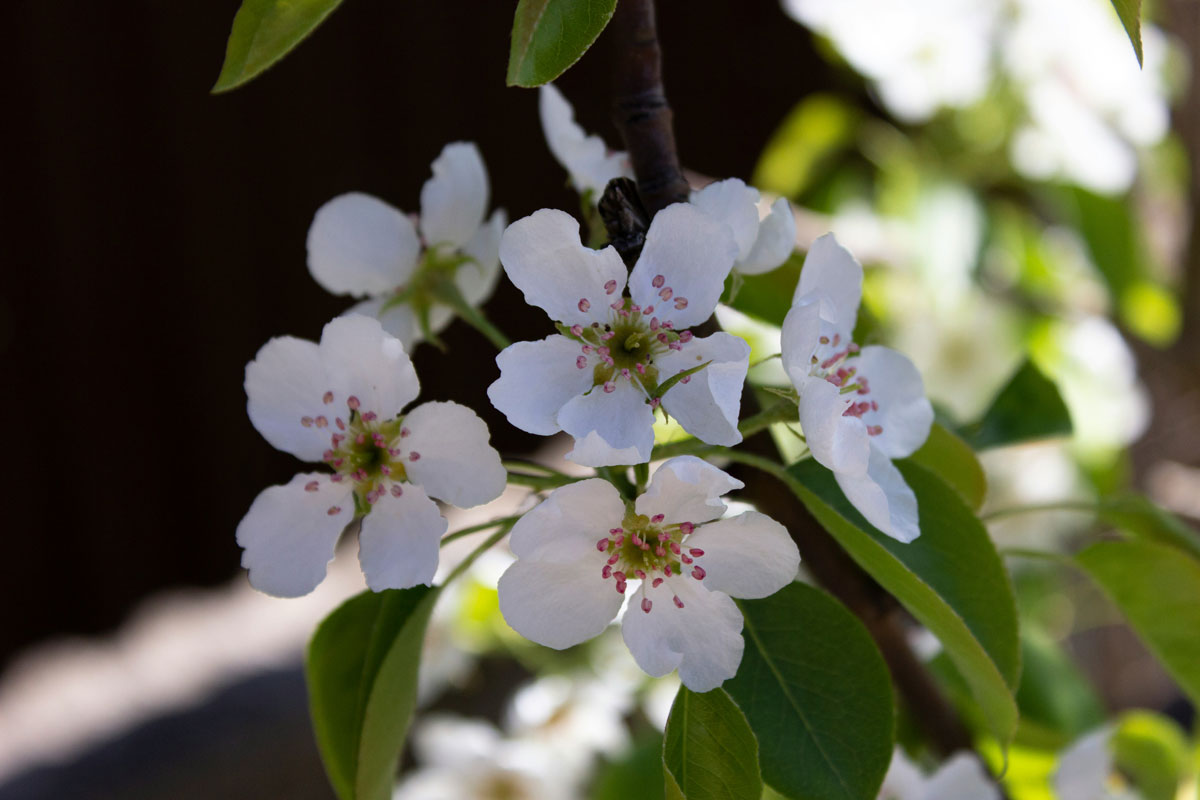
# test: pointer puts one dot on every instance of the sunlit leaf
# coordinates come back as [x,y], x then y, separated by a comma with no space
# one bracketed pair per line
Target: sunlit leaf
[362,686]
[263,32]
[1029,407]
[548,36]
[709,751]
[817,695]
[1158,591]
[950,578]
[950,458]
[1153,752]
[817,128]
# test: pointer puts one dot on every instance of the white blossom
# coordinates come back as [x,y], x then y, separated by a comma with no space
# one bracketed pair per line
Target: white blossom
[586,158]
[340,402]
[599,380]
[922,55]
[1085,770]
[859,407]
[361,246]
[578,552]
[961,777]
[765,234]
[471,760]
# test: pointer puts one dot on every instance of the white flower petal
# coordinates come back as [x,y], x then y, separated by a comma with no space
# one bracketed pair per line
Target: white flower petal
[477,279]
[399,542]
[536,380]
[735,204]
[363,361]
[1084,767]
[586,158]
[567,525]
[750,555]
[832,272]
[961,777]
[456,463]
[360,245]
[702,639]
[610,428]
[558,604]
[545,259]
[454,200]
[686,489]
[289,535]
[284,384]
[836,441]
[776,241]
[904,781]
[905,414]
[693,253]
[707,405]
[883,497]
[398,320]
[799,338]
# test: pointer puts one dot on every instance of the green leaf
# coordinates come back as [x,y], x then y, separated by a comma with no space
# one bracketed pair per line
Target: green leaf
[817,695]
[768,297]
[548,36]
[1153,752]
[636,773]
[805,144]
[1135,514]
[1028,407]
[950,578]
[1130,12]
[1054,694]
[1159,593]
[709,751]
[950,458]
[362,686]
[263,32]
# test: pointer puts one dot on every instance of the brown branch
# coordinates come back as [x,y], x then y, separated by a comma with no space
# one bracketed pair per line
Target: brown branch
[640,107]
[644,119]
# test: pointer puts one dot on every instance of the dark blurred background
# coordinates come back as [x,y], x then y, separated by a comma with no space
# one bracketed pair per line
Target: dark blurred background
[155,239]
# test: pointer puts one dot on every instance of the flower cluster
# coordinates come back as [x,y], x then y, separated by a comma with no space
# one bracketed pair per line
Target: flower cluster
[625,349]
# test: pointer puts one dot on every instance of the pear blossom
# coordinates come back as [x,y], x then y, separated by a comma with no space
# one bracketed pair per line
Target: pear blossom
[361,246]
[340,402]
[961,777]
[464,759]
[1085,770]
[586,158]
[600,379]
[859,407]
[579,551]
[765,235]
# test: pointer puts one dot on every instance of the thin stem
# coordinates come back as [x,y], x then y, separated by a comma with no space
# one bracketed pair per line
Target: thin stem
[517,465]
[538,482]
[483,526]
[783,411]
[1062,505]
[1041,555]
[466,563]
[479,322]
